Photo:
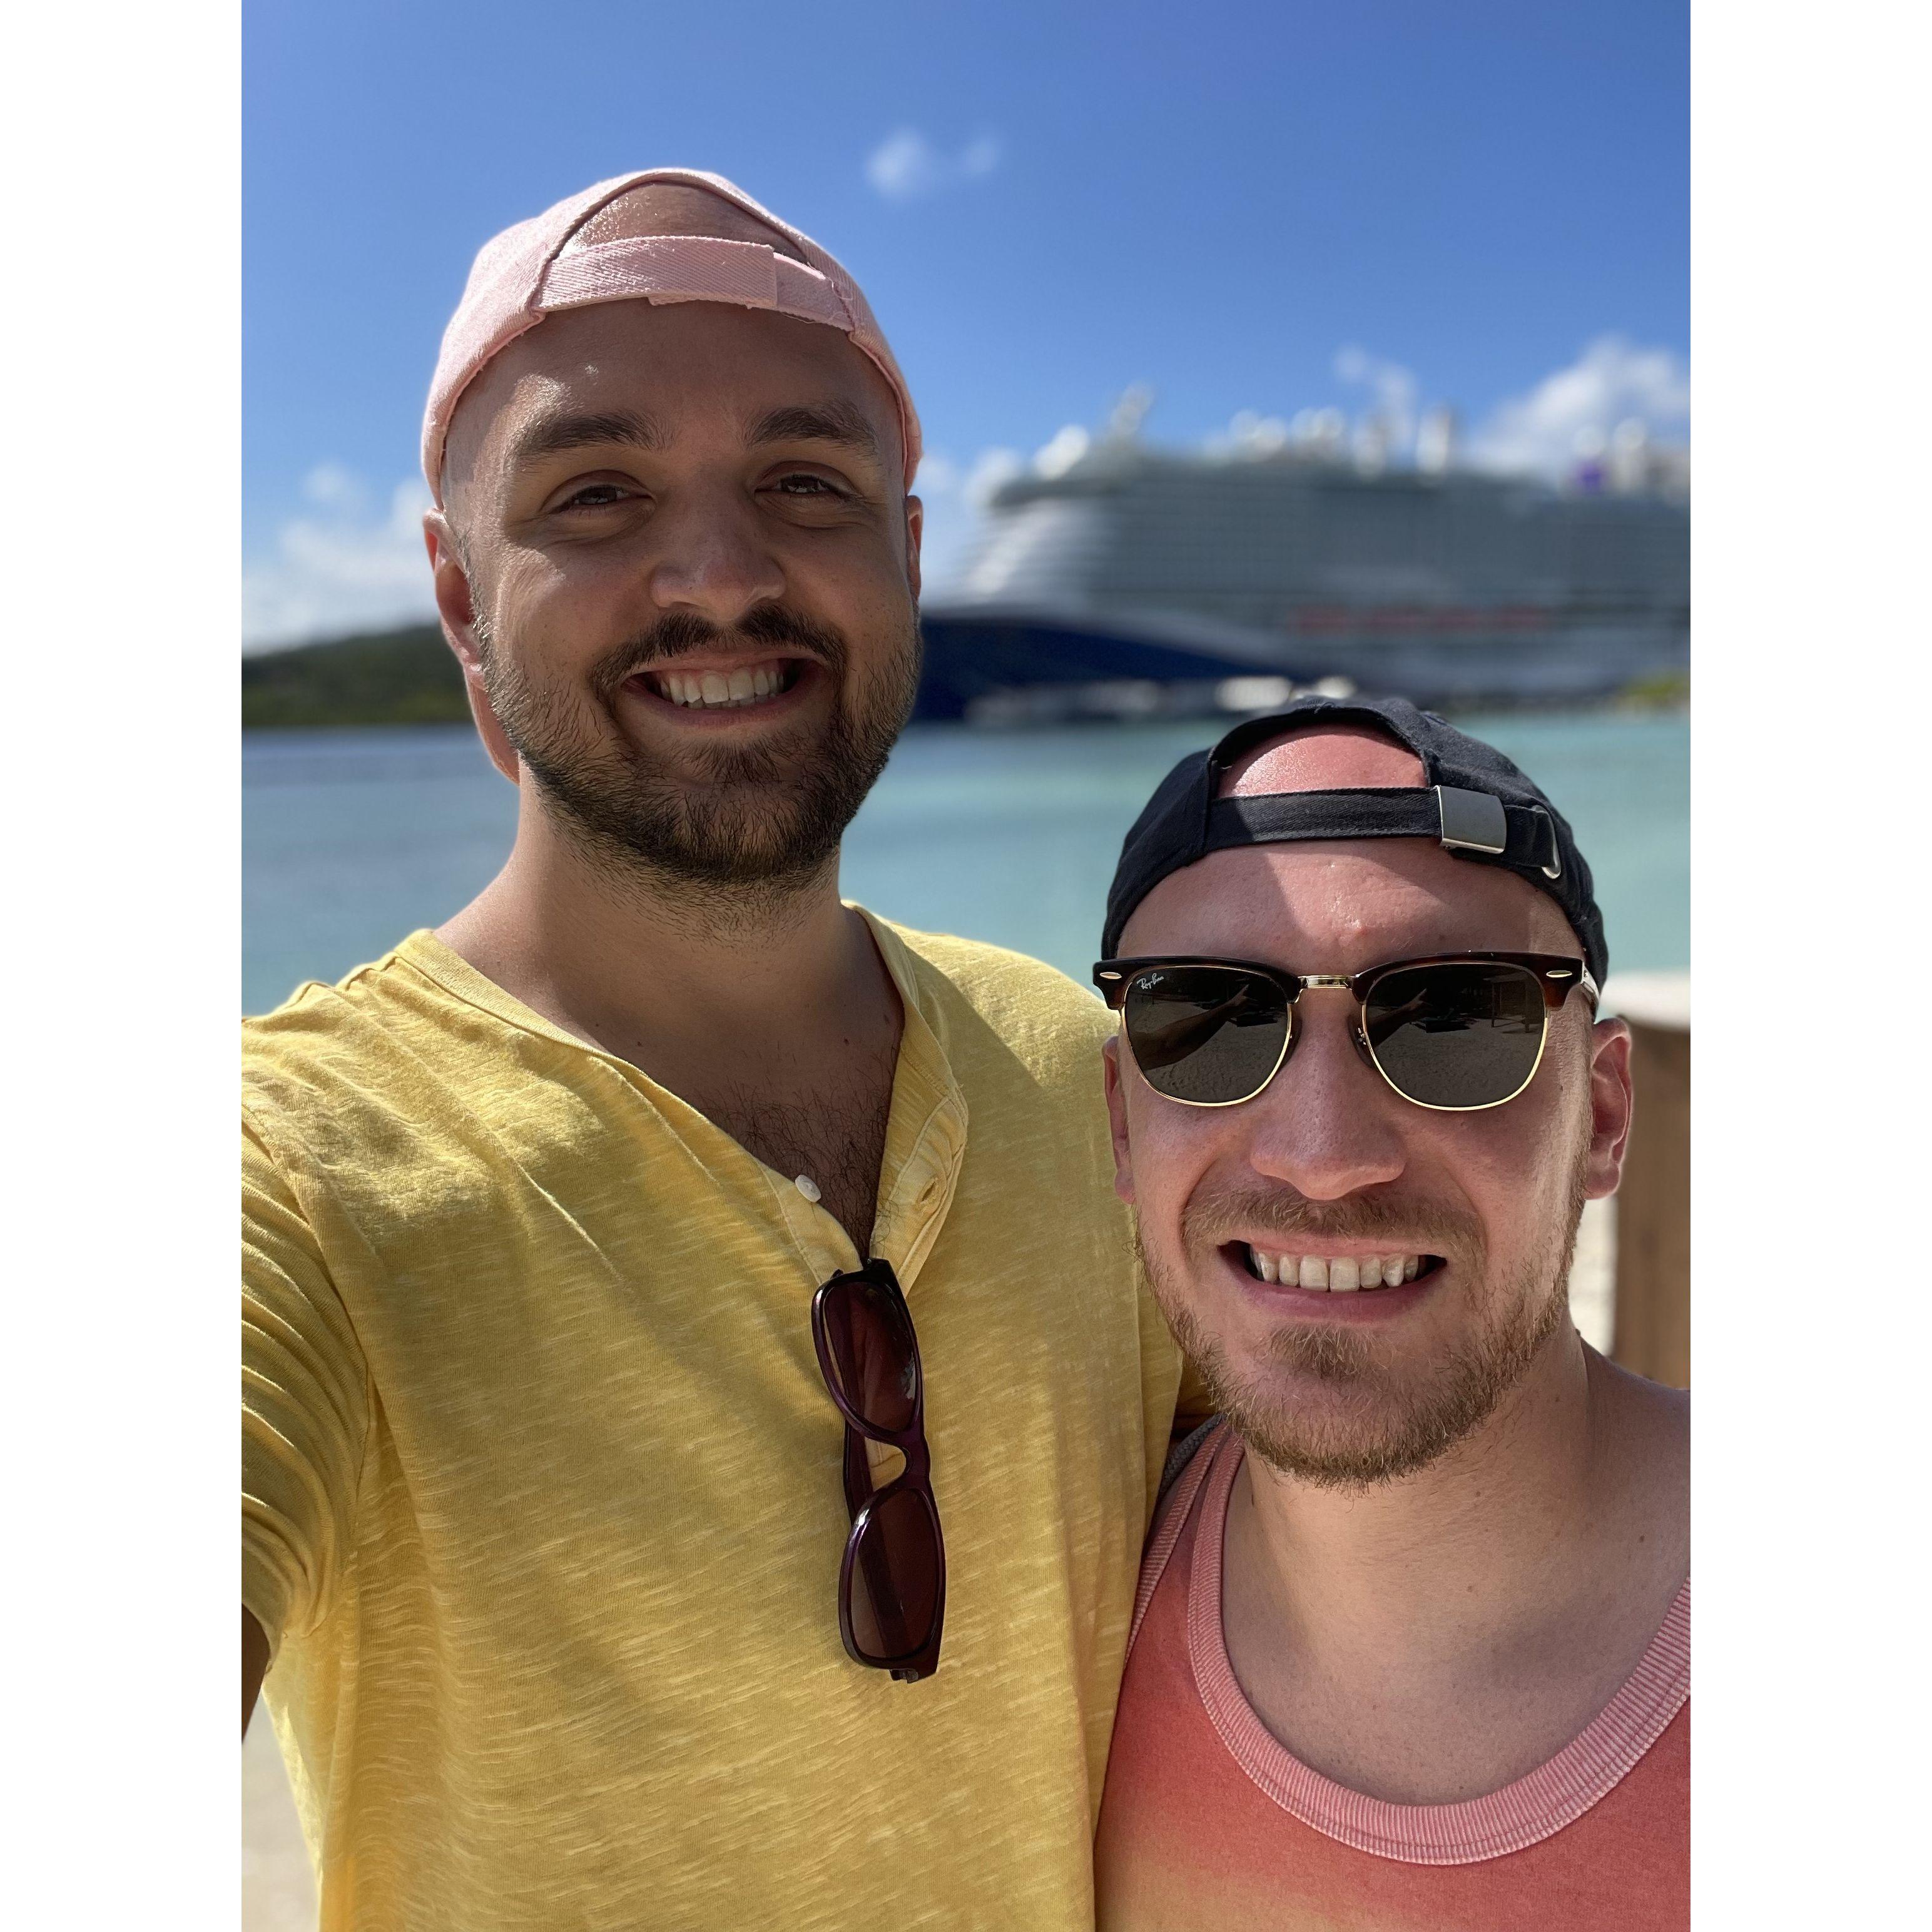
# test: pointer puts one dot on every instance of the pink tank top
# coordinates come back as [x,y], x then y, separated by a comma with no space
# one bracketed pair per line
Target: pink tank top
[1208,1823]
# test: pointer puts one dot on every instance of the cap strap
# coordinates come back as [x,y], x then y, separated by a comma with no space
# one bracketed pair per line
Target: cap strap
[1478,823]
[691,268]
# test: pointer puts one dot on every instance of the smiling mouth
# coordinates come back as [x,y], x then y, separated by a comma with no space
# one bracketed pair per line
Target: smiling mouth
[1336,1274]
[738,689]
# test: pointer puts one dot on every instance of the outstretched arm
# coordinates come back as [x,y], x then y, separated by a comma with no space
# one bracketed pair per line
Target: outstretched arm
[304,1413]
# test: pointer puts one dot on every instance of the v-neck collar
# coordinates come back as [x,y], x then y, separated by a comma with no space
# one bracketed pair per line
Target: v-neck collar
[925,1127]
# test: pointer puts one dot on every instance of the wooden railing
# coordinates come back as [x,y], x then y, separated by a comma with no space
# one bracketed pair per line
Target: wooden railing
[1652,1323]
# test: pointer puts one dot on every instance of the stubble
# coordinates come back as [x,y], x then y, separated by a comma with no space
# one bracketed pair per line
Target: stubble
[1336,1406]
[737,829]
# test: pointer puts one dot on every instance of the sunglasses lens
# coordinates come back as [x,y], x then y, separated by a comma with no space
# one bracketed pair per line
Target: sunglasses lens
[894,1577]
[1461,1035]
[1207,1034]
[873,1358]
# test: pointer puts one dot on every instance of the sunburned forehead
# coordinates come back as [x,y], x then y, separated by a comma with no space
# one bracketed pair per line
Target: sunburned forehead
[1324,757]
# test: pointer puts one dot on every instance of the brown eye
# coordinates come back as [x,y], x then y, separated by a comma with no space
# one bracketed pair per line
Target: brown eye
[597,496]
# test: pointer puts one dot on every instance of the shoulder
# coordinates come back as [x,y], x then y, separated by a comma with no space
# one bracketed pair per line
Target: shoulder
[1647,1428]
[1651,1418]
[331,1055]
[1035,1009]
[318,1021]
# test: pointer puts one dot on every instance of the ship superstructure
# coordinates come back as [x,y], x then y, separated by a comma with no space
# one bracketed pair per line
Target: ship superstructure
[1130,565]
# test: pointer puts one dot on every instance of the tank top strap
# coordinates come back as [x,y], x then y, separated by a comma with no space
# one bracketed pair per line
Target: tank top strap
[1170,1517]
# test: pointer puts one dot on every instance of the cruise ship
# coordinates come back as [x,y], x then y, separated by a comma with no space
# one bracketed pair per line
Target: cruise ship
[1118,579]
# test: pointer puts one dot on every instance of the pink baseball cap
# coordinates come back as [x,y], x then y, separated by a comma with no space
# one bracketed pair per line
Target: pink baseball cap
[522,275]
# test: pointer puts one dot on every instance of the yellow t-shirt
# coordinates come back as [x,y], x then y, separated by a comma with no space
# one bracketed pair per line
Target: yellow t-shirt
[541,1506]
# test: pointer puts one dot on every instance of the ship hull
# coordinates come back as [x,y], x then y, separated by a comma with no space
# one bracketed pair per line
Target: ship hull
[980,664]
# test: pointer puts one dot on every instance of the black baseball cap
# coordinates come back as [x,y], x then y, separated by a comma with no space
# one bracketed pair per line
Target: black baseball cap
[1474,801]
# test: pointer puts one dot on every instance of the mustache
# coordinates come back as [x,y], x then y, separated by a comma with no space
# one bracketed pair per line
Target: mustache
[678,633]
[1213,1217]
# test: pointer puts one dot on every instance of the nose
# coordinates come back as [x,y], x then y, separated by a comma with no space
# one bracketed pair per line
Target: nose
[1325,1124]
[713,558]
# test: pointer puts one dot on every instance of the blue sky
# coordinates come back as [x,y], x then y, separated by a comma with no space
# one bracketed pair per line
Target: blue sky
[1251,207]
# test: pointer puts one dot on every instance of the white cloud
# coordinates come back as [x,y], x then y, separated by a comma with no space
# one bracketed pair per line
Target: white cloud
[343,566]
[905,165]
[938,474]
[1578,411]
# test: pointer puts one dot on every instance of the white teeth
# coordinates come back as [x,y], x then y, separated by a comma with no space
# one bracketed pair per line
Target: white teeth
[713,690]
[1340,1274]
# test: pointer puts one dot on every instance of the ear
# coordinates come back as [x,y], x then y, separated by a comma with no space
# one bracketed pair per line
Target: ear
[1610,1106]
[915,517]
[456,605]
[1117,1119]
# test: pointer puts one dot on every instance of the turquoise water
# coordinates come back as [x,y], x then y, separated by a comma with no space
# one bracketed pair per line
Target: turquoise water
[352,838]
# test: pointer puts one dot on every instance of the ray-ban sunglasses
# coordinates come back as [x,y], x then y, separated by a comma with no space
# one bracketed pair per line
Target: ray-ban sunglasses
[1454,1034]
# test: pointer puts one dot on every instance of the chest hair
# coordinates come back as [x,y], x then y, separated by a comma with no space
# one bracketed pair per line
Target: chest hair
[832,1128]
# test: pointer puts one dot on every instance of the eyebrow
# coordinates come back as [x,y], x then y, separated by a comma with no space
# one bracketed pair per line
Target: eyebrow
[817,422]
[556,435]
[834,422]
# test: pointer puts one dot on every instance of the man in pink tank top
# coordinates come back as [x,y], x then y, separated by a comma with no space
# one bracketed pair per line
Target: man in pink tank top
[1412,1648]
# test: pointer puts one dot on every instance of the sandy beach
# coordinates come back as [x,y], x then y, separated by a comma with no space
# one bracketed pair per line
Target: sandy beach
[277,1887]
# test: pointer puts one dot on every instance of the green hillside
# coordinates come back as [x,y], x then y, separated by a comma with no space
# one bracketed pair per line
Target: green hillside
[407,676]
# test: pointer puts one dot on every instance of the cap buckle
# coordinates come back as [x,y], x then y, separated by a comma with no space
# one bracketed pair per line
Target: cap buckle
[1472,821]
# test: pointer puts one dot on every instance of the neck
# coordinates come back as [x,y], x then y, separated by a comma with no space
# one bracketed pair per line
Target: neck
[1485,1538]
[620,954]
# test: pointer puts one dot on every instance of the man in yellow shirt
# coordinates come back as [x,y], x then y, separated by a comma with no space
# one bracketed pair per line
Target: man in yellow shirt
[699,1415]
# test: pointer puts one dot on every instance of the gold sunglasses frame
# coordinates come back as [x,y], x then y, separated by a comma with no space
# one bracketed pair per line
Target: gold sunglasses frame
[1557,974]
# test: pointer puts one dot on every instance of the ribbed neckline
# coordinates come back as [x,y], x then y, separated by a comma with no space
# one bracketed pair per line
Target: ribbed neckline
[1536,1806]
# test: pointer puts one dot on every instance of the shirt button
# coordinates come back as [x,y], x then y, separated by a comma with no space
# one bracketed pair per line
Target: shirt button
[807,1187]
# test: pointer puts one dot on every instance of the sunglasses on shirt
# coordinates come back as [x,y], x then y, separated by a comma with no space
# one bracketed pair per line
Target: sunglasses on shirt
[1455,1034]
[892,1580]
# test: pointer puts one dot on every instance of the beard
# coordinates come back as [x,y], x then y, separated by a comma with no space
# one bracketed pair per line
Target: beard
[749,822]
[1371,1417]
